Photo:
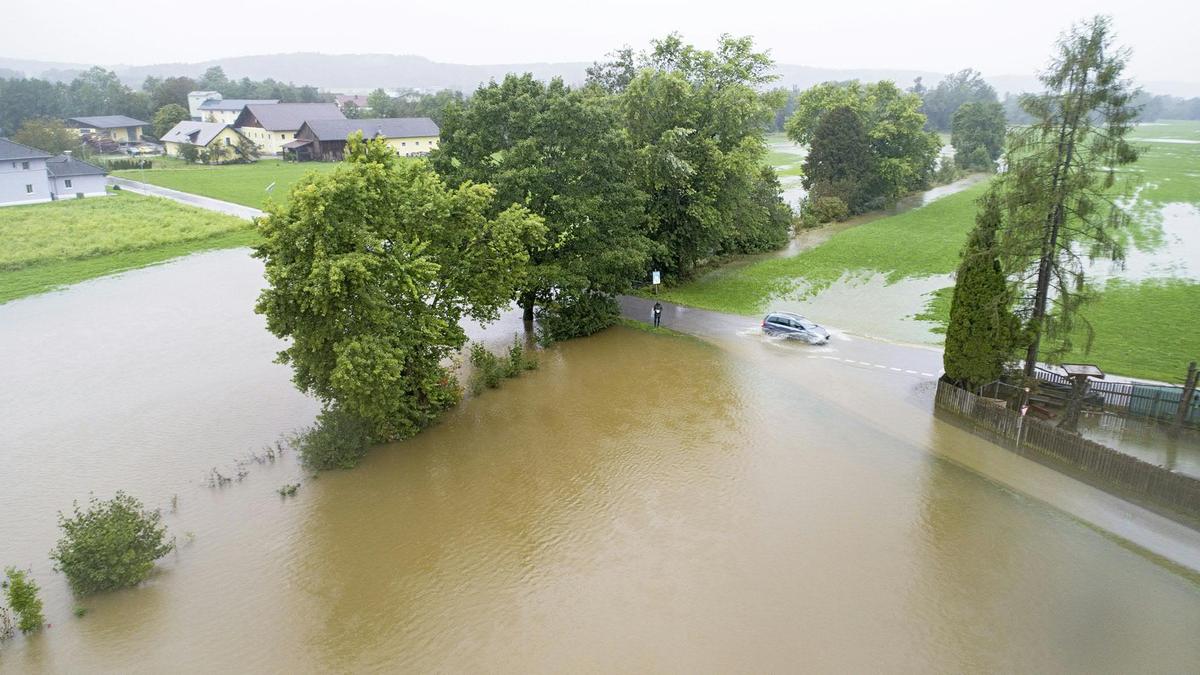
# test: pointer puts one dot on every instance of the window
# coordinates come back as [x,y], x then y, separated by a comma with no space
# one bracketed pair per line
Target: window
[24,165]
[28,189]
[67,182]
[228,141]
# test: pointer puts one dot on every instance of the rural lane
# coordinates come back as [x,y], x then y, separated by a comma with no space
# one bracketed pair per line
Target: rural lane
[188,198]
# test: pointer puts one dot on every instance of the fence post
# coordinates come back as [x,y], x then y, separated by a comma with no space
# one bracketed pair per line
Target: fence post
[1185,400]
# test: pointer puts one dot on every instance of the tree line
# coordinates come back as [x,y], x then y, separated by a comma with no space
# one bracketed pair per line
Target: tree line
[97,91]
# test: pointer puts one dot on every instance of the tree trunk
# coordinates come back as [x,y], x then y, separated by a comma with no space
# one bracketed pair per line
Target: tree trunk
[526,303]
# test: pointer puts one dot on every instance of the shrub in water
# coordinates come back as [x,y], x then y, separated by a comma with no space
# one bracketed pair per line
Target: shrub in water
[24,600]
[491,369]
[580,315]
[339,440]
[113,544]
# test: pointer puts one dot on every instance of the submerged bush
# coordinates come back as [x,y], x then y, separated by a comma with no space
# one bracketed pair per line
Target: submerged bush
[567,317]
[111,545]
[490,369]
[339,440]
[24,600]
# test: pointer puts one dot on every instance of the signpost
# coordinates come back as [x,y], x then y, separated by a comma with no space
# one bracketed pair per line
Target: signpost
[656,279]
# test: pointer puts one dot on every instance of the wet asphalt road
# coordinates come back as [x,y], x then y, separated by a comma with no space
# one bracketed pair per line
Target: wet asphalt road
[851,350]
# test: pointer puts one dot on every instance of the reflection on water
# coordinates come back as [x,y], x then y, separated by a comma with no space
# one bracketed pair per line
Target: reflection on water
[640,502]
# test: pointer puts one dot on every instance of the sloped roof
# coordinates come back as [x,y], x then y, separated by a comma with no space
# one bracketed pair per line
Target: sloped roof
[289,116]
[10,150]
[193,133]
[386,127]
[234,103]
[65,166]
[108,121]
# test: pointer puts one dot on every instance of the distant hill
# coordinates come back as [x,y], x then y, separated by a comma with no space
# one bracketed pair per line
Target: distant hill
[353,73]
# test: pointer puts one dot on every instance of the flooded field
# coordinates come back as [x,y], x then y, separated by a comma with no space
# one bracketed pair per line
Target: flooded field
[639,503]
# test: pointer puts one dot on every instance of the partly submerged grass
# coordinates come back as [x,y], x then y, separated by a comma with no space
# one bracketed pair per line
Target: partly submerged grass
[45,246]
[1142,329]
[244,184]
[85,228]
[921,242]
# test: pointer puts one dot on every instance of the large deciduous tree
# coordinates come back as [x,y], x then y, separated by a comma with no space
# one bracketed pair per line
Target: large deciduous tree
[903,153]
[562,154]
[370,270]
[978,135]
[1061,199]
[983,332]
[696,119]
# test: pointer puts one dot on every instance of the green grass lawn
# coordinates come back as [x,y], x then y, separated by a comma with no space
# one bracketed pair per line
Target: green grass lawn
[244,184]
[1142,329]
[921,242]
[44,246]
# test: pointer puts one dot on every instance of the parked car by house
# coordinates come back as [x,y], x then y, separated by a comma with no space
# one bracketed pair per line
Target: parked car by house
[794,327]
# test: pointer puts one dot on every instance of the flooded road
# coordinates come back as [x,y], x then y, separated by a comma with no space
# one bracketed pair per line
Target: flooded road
[639,503]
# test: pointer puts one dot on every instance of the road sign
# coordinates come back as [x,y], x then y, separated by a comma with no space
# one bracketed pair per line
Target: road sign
[656,277]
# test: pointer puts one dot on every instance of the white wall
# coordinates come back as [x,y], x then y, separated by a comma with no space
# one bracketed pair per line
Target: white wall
[90,186]
[14,177]
[195,98]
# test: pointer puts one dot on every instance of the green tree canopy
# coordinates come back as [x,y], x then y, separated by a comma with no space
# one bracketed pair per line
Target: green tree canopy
[371,269]
[840,163]
[167,117]
[953,92]
[381,104]
[562,154]
[46,134]
[978,135]
[903,153]
[696,119]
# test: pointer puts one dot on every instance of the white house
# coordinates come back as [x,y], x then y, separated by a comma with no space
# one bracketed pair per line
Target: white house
[196,99]
[226,110]
[202,136]
[22,174]
[70,177]
[30,176]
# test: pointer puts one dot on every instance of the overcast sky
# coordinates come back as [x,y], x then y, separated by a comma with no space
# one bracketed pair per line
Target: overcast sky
[939,35]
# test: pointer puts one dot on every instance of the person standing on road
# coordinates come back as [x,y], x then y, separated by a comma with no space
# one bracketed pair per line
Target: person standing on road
[657,314]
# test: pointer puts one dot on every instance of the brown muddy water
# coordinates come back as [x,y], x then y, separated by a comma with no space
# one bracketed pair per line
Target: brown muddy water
[639,503]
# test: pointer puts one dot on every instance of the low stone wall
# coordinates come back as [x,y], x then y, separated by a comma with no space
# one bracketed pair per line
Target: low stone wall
[1156,485]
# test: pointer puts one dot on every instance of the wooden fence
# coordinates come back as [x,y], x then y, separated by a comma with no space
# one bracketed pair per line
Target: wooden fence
[1149,401]
[1158,486]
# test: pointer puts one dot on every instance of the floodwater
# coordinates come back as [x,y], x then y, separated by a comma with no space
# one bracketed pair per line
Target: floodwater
[639,503]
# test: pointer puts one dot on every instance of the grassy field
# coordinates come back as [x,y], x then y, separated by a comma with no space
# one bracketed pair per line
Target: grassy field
[244,184]
[45,246]
[921,242]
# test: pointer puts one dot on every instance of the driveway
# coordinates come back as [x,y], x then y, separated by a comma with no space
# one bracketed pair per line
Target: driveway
[209,203]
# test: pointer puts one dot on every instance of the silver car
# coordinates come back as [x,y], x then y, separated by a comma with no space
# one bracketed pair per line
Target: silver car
[794,327]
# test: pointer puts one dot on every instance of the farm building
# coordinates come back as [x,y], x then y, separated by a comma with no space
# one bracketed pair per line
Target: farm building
[202,136]
[118,128]
[326,139]
[273,125]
